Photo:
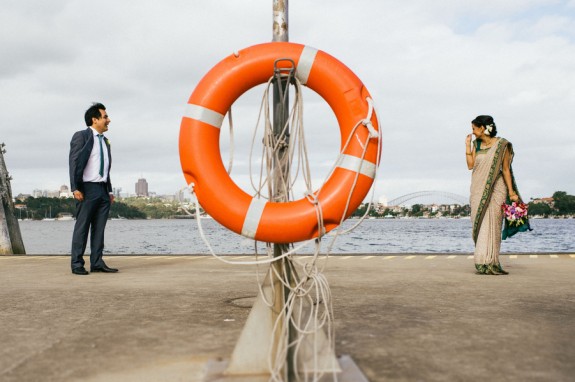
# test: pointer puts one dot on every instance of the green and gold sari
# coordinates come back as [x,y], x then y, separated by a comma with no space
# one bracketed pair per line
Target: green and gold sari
[488,193]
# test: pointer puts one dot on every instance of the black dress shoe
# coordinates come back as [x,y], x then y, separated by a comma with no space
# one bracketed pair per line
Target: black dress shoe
[104,269]
[80,271]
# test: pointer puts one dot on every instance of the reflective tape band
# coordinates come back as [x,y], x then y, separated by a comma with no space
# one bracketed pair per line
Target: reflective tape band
[355,164]
[253,217]
[305,63]
[203,114]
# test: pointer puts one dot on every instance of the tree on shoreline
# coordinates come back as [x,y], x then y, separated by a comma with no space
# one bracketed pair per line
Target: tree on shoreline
[42,207]
[561,204]
[564,204]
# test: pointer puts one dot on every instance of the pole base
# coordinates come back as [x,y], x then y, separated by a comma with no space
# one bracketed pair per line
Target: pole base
[215,372]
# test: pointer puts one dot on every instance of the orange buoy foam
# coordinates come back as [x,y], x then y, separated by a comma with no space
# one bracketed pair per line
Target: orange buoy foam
[260,219]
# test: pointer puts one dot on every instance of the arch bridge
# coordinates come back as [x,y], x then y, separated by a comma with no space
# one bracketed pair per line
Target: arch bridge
[460,199]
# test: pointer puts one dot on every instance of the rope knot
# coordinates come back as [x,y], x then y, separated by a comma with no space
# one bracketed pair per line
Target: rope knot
[367,120]
[311,197]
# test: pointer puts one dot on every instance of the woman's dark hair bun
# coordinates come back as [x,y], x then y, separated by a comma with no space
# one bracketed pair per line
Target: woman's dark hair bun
[487,122]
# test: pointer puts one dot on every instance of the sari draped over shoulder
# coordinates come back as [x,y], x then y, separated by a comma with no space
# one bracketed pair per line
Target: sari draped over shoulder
[488,193]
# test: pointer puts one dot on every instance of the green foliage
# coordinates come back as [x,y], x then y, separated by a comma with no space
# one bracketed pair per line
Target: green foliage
[387,212]
[155,208]
[461,210]
[539,209]
[417,210]
[39,208]
[564,204]
[120,209]
[360,211]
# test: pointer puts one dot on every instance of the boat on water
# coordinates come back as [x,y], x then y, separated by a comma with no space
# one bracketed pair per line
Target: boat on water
[49,218]
[65,216]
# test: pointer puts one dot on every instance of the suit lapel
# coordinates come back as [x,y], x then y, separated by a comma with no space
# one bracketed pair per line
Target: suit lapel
[89,140]
[87,149]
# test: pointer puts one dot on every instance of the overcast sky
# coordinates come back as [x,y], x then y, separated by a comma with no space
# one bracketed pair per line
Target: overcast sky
[431,67]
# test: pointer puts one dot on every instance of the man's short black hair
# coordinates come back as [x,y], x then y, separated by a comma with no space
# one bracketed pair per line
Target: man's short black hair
[93,112]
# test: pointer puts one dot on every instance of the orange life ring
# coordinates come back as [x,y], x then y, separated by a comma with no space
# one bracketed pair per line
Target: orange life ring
[201,161]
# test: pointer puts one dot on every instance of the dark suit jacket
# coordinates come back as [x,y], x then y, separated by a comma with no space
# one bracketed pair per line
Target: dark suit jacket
[80,148]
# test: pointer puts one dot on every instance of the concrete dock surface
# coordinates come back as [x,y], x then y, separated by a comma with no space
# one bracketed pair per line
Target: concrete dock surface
[399,317]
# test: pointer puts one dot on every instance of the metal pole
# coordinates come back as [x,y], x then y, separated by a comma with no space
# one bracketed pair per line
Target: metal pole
[280,21]
[281,170]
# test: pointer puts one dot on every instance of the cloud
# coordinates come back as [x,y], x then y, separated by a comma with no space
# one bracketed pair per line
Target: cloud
[431,68]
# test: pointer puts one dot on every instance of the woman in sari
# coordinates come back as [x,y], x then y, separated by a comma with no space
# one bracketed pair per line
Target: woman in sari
[492,183]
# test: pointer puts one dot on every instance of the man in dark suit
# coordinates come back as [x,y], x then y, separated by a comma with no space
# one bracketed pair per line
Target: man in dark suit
[90,163]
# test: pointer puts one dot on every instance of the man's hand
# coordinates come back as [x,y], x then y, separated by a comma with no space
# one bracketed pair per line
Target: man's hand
[78,195]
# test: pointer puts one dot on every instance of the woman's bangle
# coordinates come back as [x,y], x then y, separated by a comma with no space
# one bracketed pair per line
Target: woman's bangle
[468,154]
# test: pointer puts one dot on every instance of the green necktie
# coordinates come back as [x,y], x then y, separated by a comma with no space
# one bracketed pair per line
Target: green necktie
[101,156]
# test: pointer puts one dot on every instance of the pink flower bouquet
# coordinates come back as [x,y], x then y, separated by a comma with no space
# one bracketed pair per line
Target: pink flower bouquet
[515,213]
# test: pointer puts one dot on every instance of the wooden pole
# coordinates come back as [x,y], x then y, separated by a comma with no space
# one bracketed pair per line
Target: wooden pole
[10,237]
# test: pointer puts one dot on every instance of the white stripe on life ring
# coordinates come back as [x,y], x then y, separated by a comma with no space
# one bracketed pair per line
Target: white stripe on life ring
[202,114]
[253,217]
[305,63]
[352,163]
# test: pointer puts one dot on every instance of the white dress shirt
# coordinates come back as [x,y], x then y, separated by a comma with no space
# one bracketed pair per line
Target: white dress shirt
[92,170]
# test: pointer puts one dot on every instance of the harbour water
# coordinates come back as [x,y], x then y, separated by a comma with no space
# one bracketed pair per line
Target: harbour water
[373,236]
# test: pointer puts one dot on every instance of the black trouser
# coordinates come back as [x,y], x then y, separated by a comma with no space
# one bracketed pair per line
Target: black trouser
[91,216]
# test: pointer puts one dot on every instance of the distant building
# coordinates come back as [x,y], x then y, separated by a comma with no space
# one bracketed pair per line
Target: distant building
[549,201]
[383,201]
[179,197]
[142,187]
[65,192]
[116,191]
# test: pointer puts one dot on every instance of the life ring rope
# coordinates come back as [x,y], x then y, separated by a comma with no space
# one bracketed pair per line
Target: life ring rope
[348,162]
[359,165]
